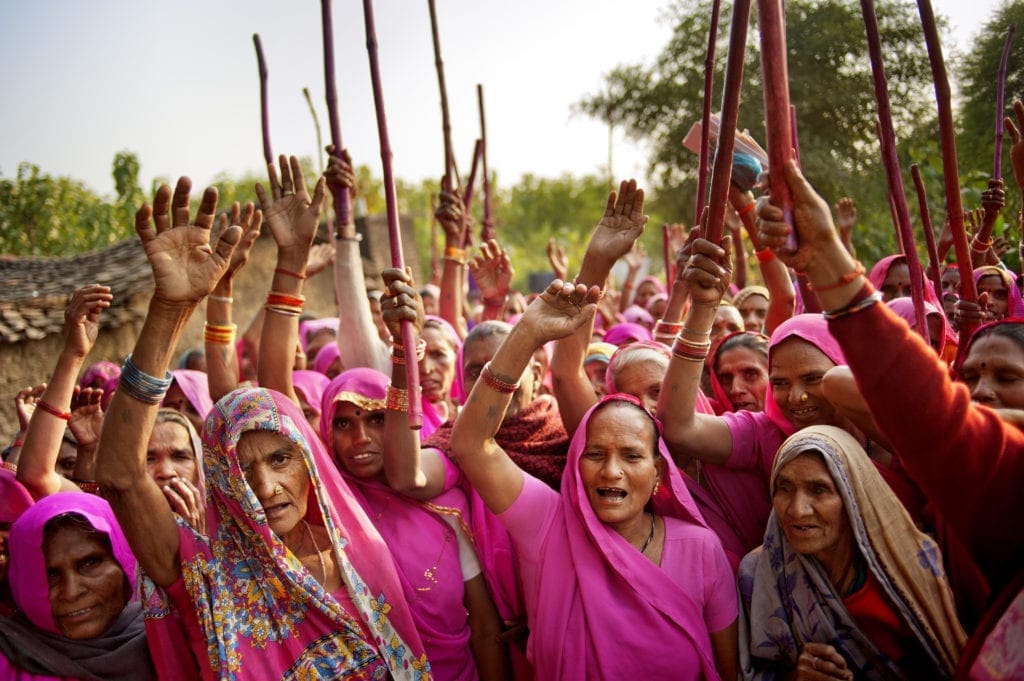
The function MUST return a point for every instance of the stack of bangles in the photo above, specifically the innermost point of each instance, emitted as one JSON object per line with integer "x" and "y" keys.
{"x": 398, "y": 352}
{"x": 456, "y": 255}
{"x": 220, "y": 334}
{"x": 691, "y": 350}
{"x": 397, "y": 399}
{"x": 138, "y": 384}
{"x": 854, "y": 306}
{"x": 285, "y": 303}
{"x": 765, "y": 255}
{"x": 665, "y": 332}
{"x": 496, "y": 382}
{"x": 979, "y": 246}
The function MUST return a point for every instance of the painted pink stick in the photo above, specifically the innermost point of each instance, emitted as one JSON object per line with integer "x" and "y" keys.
{"x": 342, "y": 199}
{"x": 667, "y": 255}
{"x": 268, "y": 155}
{"x": 721, "y": 172}
{"x": 950, "y": 170}
{"x": 412, "y": 369}
{"x": 997, "y": 161}
{"x": 705, "y": 117}
{"x": 487, "y": 231}
{"x": 887, "y": 140}
{"x": 778, "y": 133}
{"x": 929, "y": 233}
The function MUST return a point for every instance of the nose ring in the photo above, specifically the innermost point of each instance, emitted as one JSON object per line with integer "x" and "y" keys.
{"x": 278, "y": 489}
{"x": 803, "y": 397}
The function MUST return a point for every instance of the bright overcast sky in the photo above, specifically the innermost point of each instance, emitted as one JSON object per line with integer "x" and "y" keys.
{"x": 176, "y": 82}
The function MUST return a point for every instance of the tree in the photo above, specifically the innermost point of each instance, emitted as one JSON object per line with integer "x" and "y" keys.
{"x": 830, "y": 85}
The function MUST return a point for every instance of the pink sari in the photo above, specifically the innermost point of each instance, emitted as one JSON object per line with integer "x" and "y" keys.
{"x": 196, "y": 387}
{"x": 259, "y": 613}
{"x": 421, "y": 541}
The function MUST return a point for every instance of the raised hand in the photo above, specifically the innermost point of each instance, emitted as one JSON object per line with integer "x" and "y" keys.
{"x": 449, "y": 213}
{"x": 86, "y": 420}
{"x": 557, "y": 258}
{"x": 709, "y": 271}
{"x": 811, "y": 217}
{"x": 622, "y": 224}
{"x": 1016, "y": 142}
{"x": 320, "y": 256}
{"x": 25, "y": 403}
{"x": 185, "y": 266}
{"x": 339, "y": 174}
{"x": 82, "y": 318}
{"x": 561, "y": 309}
{"x": 678, "y": 236}
{"x": 846, "y": 217}
{"x": 250, "y": 220}
{"x": 493, "y": 272}
{"x": 401, "y": 302}
{"x": 289, "y": 212}
{"x": 993, "y": 200}
{"x": 185, "y": 500}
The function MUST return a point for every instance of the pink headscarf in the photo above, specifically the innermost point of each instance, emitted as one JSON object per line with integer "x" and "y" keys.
{"x": 1014, "y": 302}
{"x": 722, "y": 402}
{"x": 634, "y": 314}
{"x": 311, "y": 384}
{"x": 325, "y": 358}
{"x": 904, "y": 307}
{"x": 455, "y": 392}
{"x": 655, "y": 281}
{"x": 196, "y": 387}
{"x": 99, "y": 374}
{"x": 627, "y": 332}
{"x": 812, "y": 328}
{"x": 311, "y": 327}
{"x": 14, "y": 498}
{"x": 418, "y": 537}
{"x": 598, "y": 596}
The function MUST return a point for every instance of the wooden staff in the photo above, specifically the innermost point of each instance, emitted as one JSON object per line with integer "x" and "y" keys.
{"x": 929, "y": 234}
{"x": 887, "y": 140}
{"x": 467, "y": 194}
{"x": 950, "y": 171}
{"x": 487, "y": 231}
{"x": 721, "y": 172}
{"x": 316, "y": 126}
{"x": 705, "y": 121}
{"x": 997, "y": 161}
{"x": 268, "y": 155}
{"x": 446, "y": 123}
{"x": 779, "y": 135}
{"x": 412, "y": 369}
{"x": 667, "y": 256}
{"x": 342, "y": 199}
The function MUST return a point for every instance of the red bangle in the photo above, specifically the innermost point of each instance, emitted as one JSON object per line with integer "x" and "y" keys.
{"x": 749, "y": 208}
{"x": 289, "y": 273}
{"x": 17, "y": 443}
{"x": 285, "y": 299}
{"x": 765, "y": 255}
{"x": 53, "y": 411}
{"x": 843, "y": 280}
{"x": 496, "y": 383}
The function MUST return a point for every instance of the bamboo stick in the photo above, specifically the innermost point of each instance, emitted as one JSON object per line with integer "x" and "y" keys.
{"x": 467, "y": 194}
{"x": 316, "y": 127}
{"x": 412, "y": 369}
{"x": 667, "y": 256}
{"x": 997, "y": 161}
{"x": 446, "y": 124}
{"x": 705, "y": 117}
{"x": 342, "y": 199}
{"x": 268, "y": 154}
{"x": 487, "y": 231}
{"x": 929, "y": 234}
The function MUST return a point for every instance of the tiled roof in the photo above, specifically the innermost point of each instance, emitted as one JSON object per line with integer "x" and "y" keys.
{"x": 36, "y": 290}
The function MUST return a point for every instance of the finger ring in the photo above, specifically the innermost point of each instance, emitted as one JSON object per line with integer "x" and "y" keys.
{"x": 395, "y": 301}
{"x": 814, "y": 663}
{"x": 288, "y": 193}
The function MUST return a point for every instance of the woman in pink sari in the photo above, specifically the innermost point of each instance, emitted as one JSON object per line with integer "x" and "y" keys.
{"x": 190, "y": 394}
{"x": 621, "y": 576}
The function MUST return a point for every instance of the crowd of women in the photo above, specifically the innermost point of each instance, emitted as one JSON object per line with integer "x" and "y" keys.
{"x": 692, "y": 481}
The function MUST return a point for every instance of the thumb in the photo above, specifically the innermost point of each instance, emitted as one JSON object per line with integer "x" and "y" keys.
{"x": 798, "y": 184}
{"x": 727, "y": 257}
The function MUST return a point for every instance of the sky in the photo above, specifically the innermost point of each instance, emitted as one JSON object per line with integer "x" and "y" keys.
{"x": 176, "y": 82}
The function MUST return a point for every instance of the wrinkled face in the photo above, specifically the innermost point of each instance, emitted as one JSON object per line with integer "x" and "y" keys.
{"x": 66, "y": 459}
{"x": 177, "y": 400}
{"x": 810, "y": 509}
{"x": 618, "y": 469}
{"x": 998, "y": 295}
{"x": 642, "y": 379}
{"x": 994, "y": 372}
{"x": 797, "y": 368}
{"x": 727, "y": 320}
{"x": 754, "y": 310}
{"x": 437, "y": 370}
{"x": 358, "y": 440}
{"x": 897, "y": 282}
{"x": 87, "y": 587}
{"x": 743, "y": 373}
{"x": 644, "y": 293}
{"x": 275, "y": 469}
{"x": 950, "y": 281}
{"x": 169, "y": 454}
{"x": 595, "y": 374}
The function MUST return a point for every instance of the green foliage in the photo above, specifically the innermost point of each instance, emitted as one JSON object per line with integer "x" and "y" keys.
{"x": 43, "y": 215}
{"x": 830, "y": 86}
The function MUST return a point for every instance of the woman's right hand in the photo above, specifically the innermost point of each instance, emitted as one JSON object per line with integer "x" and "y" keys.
{"x": 82, "y": 318}
{"x": 820, "y": 661}
{"x": 559, "y": 311}
{"x": 186, "y": 500}
{"x": 709, "y": 271}
{"x": 401, "y": 302}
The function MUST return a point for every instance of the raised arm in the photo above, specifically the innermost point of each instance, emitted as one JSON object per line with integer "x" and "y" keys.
{"x": 690, "y": 435}
{"x": 186, "y": 267}
{"x": 221, "y": 332}
{"x": 37, "y": 464}
{"x": 493, "y": 273}
{"x": 450, "y": 213}
{"x": 781, "y": 294}
{"x": 557, "y": 312}
{"x": 359, "y": 345}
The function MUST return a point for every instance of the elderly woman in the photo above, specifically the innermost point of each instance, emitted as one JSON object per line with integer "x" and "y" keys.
{"x": 292, "y": 578}
{"x": 845, "y": 586}
{"x": 739, "y": 372}
{"x": 752, "y": 303}
{"x": 993, "y": 365}
{"x": 72, "y": 576}
{"x": 621, "y": 576}
{"x": 442, "y": 347}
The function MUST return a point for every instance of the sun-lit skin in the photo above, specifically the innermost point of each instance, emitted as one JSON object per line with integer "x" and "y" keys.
{"x": 276, "y": 471}
{"x": 644, "y": 292}
{"x": 595, "y": 374}
{"x": 357, "y": 441}
{"x": 812, "y": 514}
{"x": 437, "y": 369}
{"x": 727, "y": 320}
{"x": 743, "y": 373}
{"x": 998, "y": 295}
{"x": 797, "y": 368}
{"x": 312, "y": 417}
{"x": 897, "y": 282}
{"x": 754, "y": 310}
{"x": 618, "y": 468}
{"x": 642, "y": 378}
{"x": 87, "y": 587}
{"x": 477, "y": 352}
{"x": 657, "y": 308}
{"x": 994, "y": 372}
{"x": 177, "y": 400}
{"x": 169, "y": 454}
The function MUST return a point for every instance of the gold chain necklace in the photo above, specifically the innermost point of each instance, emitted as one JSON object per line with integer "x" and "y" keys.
{"x": 319, "y": 555}
{"x": 430, "y": 573}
